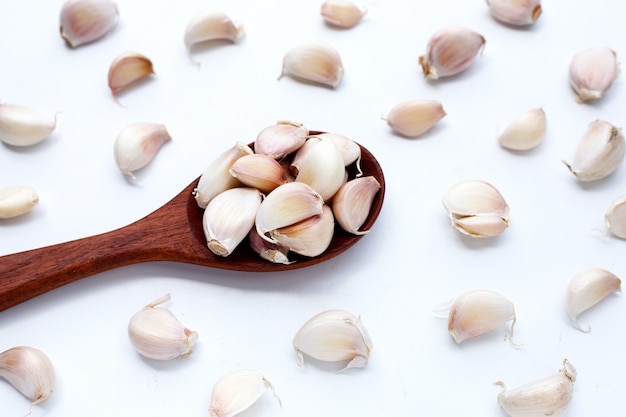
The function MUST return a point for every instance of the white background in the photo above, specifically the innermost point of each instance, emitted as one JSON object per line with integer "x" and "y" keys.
{"x": 412, "y": 260}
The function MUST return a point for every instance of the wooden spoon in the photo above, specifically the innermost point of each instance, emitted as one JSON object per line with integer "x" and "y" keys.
{"x": 171, "y": 233}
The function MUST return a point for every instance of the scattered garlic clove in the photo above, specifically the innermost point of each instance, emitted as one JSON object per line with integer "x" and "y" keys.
{"x": 157, "y": 334}
{"x": 84, "y": 21}
{"x": 259, "y": 171}
{"x": 353, "y": 202}
{"x": 318, "y": 63}
{"x": 229, "y": 217}
{"x": 30, "y": 371}
{"x": 332, "y": 336}
{"x": 615, "y": 217}
{"x": 342, "y": 13}
{"x": 23, "y": 126}
{"x": 128, "y": 68}
{"x": 281, "y": 139}
{"x": 450, "y": 51}
{"x": 476, "y": 208}
{"x": 587, "y": 289}
{"x": 600, "y": 152}
{"x": 269, "y": 251}
{"x": 323, "y": 168}
{"x": 592, "y": 71}
{"x": 211, "y": 26}
{"x": 413, "y": 118}
{"x": 137, "y": 144}
{"x": 237, "y": 391}
{"x": 515, "y": 12}
{"x": 17, "y": 200}
{"x": 526, "y": 132}
{"x": 309, "y": 237}
{"x": 350, "y": 150}
{"x": 477, "y": 312}
{"x": 549, "y": 396}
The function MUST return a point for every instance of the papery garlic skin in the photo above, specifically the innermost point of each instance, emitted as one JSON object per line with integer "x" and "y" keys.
{"x": 281, "y": 139}
{"x": 128, "y": 68}
{"x": 592, "y": 71}
{"x": 413, "y": 118}
{"x": 318, "y": 63}
{"x": 309, "y": 237}
{"x": 615, "y": 217}
{"x": 515, "y": 12}
{"x": 353, "y": 202}
{"x": 323, "y": 168}
{"x": 30, "y": 371}
{"x": 211, "y": 26}
{"x": 450, "y": 51}
{"x": 137, "y": 145}
{"x": 525, "y": 132}
{"x": 549, "y": 396}
{"x": 587, "y": 289}
{"x": 237, "y": 391}
{"x": 332, "y": 336}
{"x": 342, "y": 13}
{"x": 23, "y": 126}
{"x": 17, "y": 200}
{"x": 84, "y": 21}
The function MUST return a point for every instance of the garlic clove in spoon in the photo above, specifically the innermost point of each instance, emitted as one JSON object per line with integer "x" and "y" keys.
{"x": 85, "y": 21}
{"x": 137, "y": 145}
{"x": 309, "y": 237}
{"x": 592, "y": 71}
{"x": 587, "y": 289}
{"x": 526, "y": 132}
{"x": 30, "y": 371}
{"x": 449, "y": 51}
{"x": 23, "y": 126}
{"x": 413, "y": 118}
{"x": 281, "y": 139}
{"x": 323, "y": 168}
{"x": 353, "y": 201}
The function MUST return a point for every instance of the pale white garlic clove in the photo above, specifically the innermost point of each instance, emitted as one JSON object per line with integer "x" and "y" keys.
{"x": 587, "y": 289}
{"x": 599, "y": 153}
{"x": 17, "y": 200}
{"x": 309, "y": 237}
{"x": 84, "y": 21}
{"x": 269, "y": 251}
{"x": 342, "y": 13}
{"x": 237, "y": 391}
{"x": 515, "y": 12}
{"x": 333, "y": 336}
{"x": 300, "y": 155}
{"x": 137, "y": 145}
{"x": 128, "y": 68}
{"x": 23, "y": 126}
{"x": 525, "y": 132}
{"x": 211, "y": 26}
{"x": 318, "y": 63}
{"x": 30, "y": 371}
{"x": 548, "y": 396}
{"x": 353, "y": 202}
{"x": 350, "y": 150}
{"x": 615, "y": 217}
{"x": 476, "y": 208}
{"x": 259, "y": 171}
{"x": 281, "y": 139}
{"x": 592, "y": 71}
{"x": 323, "y": 168}
{"x": 229, "y": 217}
{"x": 157, "y": 334}
{"x": 450, "y": 51}
{"x": 413, "y": 118}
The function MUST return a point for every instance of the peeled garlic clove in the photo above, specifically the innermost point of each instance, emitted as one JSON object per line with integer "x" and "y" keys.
{"x": 526, "y": 132}
{"x": 309, "y": 237}
{"x": 137, "y": 144}
{"x": 269, "y": 251}
{"x": 237, "y": 391}
{"x": 23, "y": 126}
{"x": 342, "y": 13}
{"x": 29, "y": 371}
{"x": 478, "y": 312}
{"x": 229, "y": 217}
{"x": 281, "y": 139}
{"x": 592, "y": 71}
{"x": 216, "y": 177}
{"x": 549, "y": 396}
{"x": 450, "y": 51}
{"x": 259, "y": 171}
{"x": 413, "y": 118}
{"x": 316, "y": 62}
{"x": 350, "y": 150}
{"x": 128, "y": 68}
{"x": 515, "y": 12}
{"x": 600, "y": 152}
{"x": 476, "y": 208}
{"x": 353, "y": 202}
{"x": 211, "y": 26}
{"x": 323, "y": 169}
{"x": 157, "y": 334}
{"x": 587, "y": 289}
{"x": 84, "y": 21}
{"x": 17, "y": 200}
{"x": 332, "y": 336}
{"x": 615, "y": 217}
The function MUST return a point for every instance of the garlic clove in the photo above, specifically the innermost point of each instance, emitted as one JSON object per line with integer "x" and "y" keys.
{"x": 350, "y": 150}
{"x": 592, "y": 71}
{"x": 229, "y": 217}
{"x": 211, "y": 26}
{"x": 84, "y": 21}
{"x": 157, "y": 334}
{"x": 323, "y": 168}
{"x": 137, "y": 144}
{"x": 476, "y": 208}
{"x": 450, "y": 51}
{"x": 413, "y": 118}
{"x": 128, "y": 68}
{"x": 281, "y": 139}
{"x": 269, "y": 251}
{"x": 548, "y": 396}
{"x": 300, "y": 155}
{"x": 237, "y": 391}
{"x": 28, "y": 370}
{"x": 353, "y": 202}
{"x": 525, "y": 132}
{"x": 342, "y": 13}
{"x": 309, "y": 237}
{"x": 599, "y": 153}
{"x": 259, "y": 171}
{"x": 615, "y": 217}
{"x": 318, "y": 63}
{"x": 515, "y": 12}
{"x": 23, "y": 126}
{"x": 17, "y": 200}
{"x": 587, "y": 289}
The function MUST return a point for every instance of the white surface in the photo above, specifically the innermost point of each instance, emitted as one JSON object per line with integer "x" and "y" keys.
{"x": 410, "y": 262}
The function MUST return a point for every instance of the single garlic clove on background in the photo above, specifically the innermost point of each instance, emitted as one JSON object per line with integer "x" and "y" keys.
{"x": 318, "y": 63}
{"x": 137, "y": 145}
{"x": 323, "y": 168}
{"x": 599, "y": 153}
{"x": 587, "y": 289}
{"x": 549, "y": 396}
{"x": 450, "y": 51}
{"x": 592, "y": 71}
{"x": 84, "y": 21}
{"x": 525, "y": 132}
{"x": 342, "y": 13}
{"x": 280, "y": 139}
{"x": 126, "y": 69}
{"x": 615, "y": 217}
{"x": 476, "y": 208}
{"x": 413, "y": 118}
{"x": 237, "y": 391}
{"x": 309, "y": 237}
{"x": 259, "y": 171}
{"x": 353, "y": 202}
{"x": 332, "y": 336}
{"x": 30, "y": 371}
{"x": 269, "y": 251}
{"x": 157, "y": 334}
{"x": 211, "y": 26}
{"x": 515, "y": 12}
{"x": 17, "y": 200}
{"x": 23, "y": 126}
